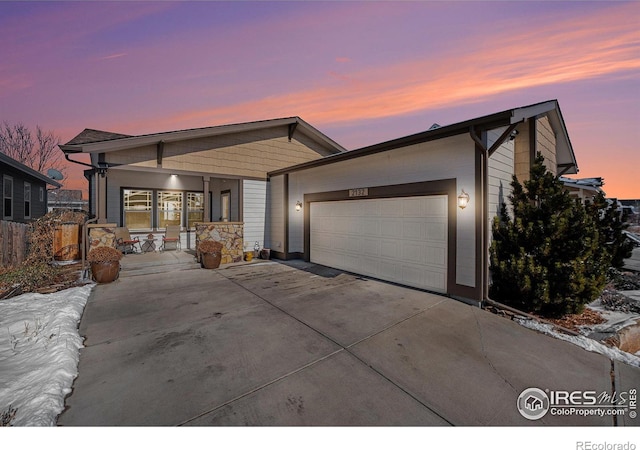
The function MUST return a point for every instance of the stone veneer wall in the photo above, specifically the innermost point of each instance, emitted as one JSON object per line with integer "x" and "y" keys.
{"x": 230, "y": 234}
{"x": 103, "y": 235}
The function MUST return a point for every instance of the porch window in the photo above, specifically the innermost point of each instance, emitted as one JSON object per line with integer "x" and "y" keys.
{"x": 169, "y": 208}
{"x": 7, "y": 195}
{"x": 137, "y": 209}
{"x": 225, "y": 206}
{"x": 27, "y": 200}
{"x": 195, "y": 208}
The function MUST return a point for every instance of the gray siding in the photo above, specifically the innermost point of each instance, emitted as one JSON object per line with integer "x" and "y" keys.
{"x": 275, "y": 217}
{"x": 38, "y": 208}
{"x": 501, "y": 170}
{"x": 254, "y": 209}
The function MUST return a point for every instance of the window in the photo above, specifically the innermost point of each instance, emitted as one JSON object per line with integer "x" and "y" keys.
{"x": 41, "y": 194}
{"x": 7, "y": 195}
{"x": 137, "y": 209}
{"x": 169, "y": 208}
{"x": 195, "y": 208}
{"x": 27, "y": 200}
{"x": 225, "y": 204}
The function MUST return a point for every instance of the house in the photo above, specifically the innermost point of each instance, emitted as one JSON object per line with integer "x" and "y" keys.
{"x": 415, "y": 210}
{"x": 390, "y": 210}
{"x": 583, "y": 188}
{"x": 213, "y": 174}
{"x": 533, "y": 403}
{"x": 24, "y": 191}
{"x": 68, "y": 199}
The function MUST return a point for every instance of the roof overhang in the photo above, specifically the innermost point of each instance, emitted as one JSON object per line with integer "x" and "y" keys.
{"x": 126, "y": 143}
{"x": 565, "y": 157}
{"x": 28, "y": 170}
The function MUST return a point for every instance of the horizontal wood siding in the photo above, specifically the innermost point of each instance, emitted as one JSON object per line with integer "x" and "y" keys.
{"x": 501, "y": 170}
{"x": 275, "y": 216}
{"x": 546, "y": 143}
{"x": 254, "y": 206}
{"x": 249, "y": 154}
{"x": 38, "y": 208}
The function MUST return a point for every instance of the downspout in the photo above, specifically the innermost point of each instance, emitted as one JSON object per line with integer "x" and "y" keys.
{"x": 99, "y": 171}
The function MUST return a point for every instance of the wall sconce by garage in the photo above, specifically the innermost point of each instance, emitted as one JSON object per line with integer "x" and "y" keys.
{"x": 298, "y": 205}
{"x": 463, "y": 199}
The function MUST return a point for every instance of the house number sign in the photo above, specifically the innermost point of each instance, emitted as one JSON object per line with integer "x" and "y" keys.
{"x": 360, "y": 192}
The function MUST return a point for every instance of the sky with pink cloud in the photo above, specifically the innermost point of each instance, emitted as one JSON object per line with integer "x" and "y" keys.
{"x": 361, "y": 72}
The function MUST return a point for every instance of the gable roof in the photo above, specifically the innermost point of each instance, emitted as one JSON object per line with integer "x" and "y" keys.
{"x": 565, "y": 156}
{"x": 109, "y": 142}
{"x": 27, "y": 170}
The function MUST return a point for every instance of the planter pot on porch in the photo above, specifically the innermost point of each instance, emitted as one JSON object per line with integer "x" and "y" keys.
{"x": 211, "y": 260}
{"x": 106, "y": 271}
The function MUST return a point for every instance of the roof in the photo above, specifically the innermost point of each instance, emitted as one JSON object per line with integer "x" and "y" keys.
{"x": 588, "y": 184}
{"x": 27, "y": 170}
{"x": 109, "y": 142}
{"x": 565, "y": 156}
{"x": 89, "y": 135}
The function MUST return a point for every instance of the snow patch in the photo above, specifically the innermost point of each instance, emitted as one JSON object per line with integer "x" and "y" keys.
{"x": 39, "y": 353}
{"x": 582, "y": 341}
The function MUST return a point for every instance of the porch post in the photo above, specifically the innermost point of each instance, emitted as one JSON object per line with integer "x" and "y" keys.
{"x": 207, "y": 199}
{"x": 101, "y": 197}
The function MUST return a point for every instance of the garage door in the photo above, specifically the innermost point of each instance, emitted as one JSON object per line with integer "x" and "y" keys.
{"x": 403, "y": 240}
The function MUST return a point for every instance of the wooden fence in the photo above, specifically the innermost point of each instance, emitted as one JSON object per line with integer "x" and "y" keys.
{"x": 13, "y": 243}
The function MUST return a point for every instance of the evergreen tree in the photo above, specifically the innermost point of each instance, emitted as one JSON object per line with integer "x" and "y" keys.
{"x": 546, "y": 259}
{"x": 611, "y": 223}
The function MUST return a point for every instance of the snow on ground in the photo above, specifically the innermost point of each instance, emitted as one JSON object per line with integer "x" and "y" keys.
{"x": 39, "y": 353}
{"x": 582, "y": 341}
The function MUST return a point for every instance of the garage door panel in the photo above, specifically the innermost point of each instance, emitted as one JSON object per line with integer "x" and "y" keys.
{"x": 403, "y": 240}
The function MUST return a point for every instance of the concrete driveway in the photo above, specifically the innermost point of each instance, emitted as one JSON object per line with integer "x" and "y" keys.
{"x": 298, "y": 344}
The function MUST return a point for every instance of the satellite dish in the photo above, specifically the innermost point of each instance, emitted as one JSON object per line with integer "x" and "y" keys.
{"x": 54, "y": 174}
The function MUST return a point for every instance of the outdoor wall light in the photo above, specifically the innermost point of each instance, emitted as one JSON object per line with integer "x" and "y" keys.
{"x": 463, "y": 199}
{"x": 298, "y": 205}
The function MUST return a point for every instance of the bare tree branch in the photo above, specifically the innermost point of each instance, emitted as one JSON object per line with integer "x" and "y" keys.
{"x": 16, "y": 141}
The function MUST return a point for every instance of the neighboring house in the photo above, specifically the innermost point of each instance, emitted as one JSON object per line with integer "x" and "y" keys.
{"x": 67, "y": 199}
{"x": 583, "y": 188}
{"x": 24, "y": 191}
{"x": 390, "y": 210}
{"x": 207, "y": 174}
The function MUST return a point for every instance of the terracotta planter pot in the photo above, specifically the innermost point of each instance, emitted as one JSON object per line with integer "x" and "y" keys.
{"x": 105, "y": 272}
{"x": 211, "y": 260}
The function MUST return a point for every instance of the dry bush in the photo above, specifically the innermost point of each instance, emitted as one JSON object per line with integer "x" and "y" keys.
{"x": 35, "y": 272}
{"x": 209, "y": 246}
{"x": 104, "y": 254}
{"x": 42, "y": 231}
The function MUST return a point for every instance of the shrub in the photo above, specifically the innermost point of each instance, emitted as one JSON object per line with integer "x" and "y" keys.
{"x": 611, "y": 223}
{"x": 209, "y": 246}
{"x": 547, "y": 258}
{"x": 104, "y": 254}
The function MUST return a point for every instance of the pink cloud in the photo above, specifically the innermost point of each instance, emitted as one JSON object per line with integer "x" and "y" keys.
{"x": 581, "y": 48}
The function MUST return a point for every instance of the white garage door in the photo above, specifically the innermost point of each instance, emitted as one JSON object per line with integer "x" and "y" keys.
{"x": 403, "y": 240}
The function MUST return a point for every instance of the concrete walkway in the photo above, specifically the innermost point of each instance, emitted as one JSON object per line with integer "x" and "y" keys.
{"x": 299, "y": 344}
